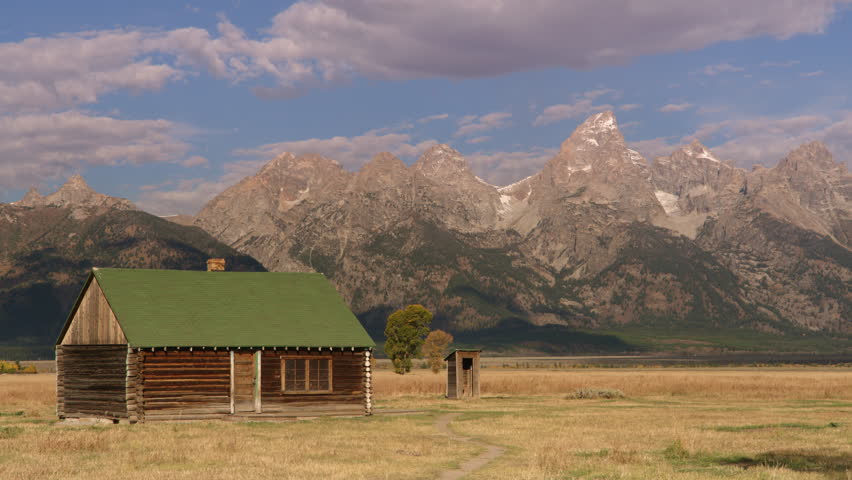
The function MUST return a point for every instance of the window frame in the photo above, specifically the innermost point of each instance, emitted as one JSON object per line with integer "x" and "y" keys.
{"x": 307, "y": 359}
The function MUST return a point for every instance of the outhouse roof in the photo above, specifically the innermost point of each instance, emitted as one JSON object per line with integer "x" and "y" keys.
{"x": 462, "y": 350}
{"x": 180, "y": 308}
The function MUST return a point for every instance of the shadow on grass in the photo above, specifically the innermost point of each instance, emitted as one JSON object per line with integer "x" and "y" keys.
{"x": 745, "y": 428}
{"x": 812, "y": 461}
{"x": 800, "y": 461}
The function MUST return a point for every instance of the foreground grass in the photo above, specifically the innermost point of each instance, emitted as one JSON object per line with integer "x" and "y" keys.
{"x": 691, "y": 424}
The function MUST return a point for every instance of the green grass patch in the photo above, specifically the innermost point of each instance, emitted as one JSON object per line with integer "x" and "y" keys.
{"x": 10, "y": 432}
{"x": 745, "y": 428}
{"x": 800, "y": 461}
{"x": 12, "y": 414}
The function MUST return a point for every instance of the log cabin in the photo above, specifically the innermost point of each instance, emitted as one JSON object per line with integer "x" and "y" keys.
{"x": 147, "y": 345}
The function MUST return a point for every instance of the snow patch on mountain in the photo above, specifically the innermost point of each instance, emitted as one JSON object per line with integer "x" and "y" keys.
{"x": 668, "y": 201}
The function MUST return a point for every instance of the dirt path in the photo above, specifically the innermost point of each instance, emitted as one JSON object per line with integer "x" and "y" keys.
{"x": 491, "y": 451}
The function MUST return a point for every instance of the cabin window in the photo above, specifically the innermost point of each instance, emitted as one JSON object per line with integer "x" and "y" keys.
{"x": 306, "y": 375}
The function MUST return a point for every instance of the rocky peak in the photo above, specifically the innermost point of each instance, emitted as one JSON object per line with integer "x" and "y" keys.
{"x": 382, "y": 171}
{"x": 598, "y": 130}
{"x": 695, "y": 150}
{"x": 384, "y": 163}
{"x": 73, "y": 194}
{"x": 810, "y": 156}
{"x": 32, "y": 198}
{"x": 440, "y": 162}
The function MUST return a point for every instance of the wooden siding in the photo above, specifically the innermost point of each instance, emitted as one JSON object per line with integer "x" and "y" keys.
{"x": 451, "y": 378}
{"x": 93, "y": 322}
{"x": 349, "y": 382}
{"x": 244, "y": 377}
{"x": 91, "y": 381}
{"x": 184, "y": 384}
{"x": 461, "y": 382}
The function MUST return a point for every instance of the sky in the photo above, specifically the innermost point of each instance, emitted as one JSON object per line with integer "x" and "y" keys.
{"x": 168, "y": 103}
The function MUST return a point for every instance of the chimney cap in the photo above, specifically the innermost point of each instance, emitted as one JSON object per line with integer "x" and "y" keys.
{"x": 216, "y": 265}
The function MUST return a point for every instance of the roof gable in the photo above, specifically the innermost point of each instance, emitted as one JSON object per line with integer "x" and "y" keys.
{"x": 179, "y": 308}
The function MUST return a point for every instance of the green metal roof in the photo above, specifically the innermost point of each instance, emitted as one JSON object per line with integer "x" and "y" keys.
{"x": 179, "y": 308}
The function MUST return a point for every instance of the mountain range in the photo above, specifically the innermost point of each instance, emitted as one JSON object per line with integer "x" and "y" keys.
{"x": 49, "y": 243}
{"x": 599, "y": 241}
{"x": 599, "y": 238}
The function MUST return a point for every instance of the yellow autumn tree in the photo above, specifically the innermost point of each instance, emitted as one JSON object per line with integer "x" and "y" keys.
{"x": 435, "y": 348}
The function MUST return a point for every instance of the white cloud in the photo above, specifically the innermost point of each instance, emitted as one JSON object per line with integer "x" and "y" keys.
{"x": 675, "y": 107}
{"x": 476, "y": 140}
{"x": 195, "y": 161}
{"x": 720, "y": 68}
{"x": 763, "y": 139}
{"x": 351, "y": 152}
{"x": 327, "y": 42}
{"x": 629, "y": 107}
{"x": 432, "y": 118}
{"x": 583, "y": 104}
{"x": 784, "y": 64}
{"x": 73, "y": 69}
{"x": 38, "y": 146}
{"x": 505, "y": 168}
{"x": 471, "y": 124}
{"x": 812, "y": 74}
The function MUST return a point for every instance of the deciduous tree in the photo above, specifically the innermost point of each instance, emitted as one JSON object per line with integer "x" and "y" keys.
{"x": 435, "y": 348}
{"x": 404, "y": 335}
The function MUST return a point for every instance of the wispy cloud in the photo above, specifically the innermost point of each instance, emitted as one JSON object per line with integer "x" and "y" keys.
{"x": 784, "y": 64}
{"x": 476, "y": 124}
{"x": 720, "y": 68}
{"x": 812, "y": 74}
{"x": 432, "y": 118}
{"x": 676, "y": 107}
{"x": 351, "y": 152}
{"x": 506, "y": 167}
{"x": 763, "y": 139}
{"x": 583, "y": 104}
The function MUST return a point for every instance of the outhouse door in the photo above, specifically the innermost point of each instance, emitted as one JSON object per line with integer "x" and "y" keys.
{"x": 467, "y": 377}
{"x": 244, "y": 381}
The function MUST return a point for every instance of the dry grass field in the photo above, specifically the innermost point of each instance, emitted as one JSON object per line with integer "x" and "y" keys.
{"x": 747, "y": 423}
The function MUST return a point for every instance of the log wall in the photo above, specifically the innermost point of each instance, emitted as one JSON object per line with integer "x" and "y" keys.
{"x": 350, "y": 386}
{"x": 182, "y": 384}
{"x": 91, "y": 381}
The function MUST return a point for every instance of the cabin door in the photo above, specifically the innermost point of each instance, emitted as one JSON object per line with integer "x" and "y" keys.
{"x": 244, "y": 381}
{"x": 467, "y": 377}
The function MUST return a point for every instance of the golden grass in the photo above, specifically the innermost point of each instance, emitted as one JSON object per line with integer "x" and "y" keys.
{"x": 674, "y": 423}
{"x": 805, "y": 383}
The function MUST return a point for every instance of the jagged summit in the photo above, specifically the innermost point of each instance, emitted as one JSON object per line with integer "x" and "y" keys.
{"x": 813, "y": 154}
{"x": 596, "y": 131}
{"x": 75, "y": 192}
{"x": 384, "y": 162}
{"x": 697, "y": 150}
{"x": 441, "y": 161}
{"x": 31, "y": 198}
{"x": 276, "y": 163}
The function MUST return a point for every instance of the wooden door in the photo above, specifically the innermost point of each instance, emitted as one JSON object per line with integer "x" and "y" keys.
{"x": 244, "y": 378}
{"x": 467, "y": 377}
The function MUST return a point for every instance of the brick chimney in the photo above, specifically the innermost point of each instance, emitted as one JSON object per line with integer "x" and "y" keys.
{"x": 216, "y": 265}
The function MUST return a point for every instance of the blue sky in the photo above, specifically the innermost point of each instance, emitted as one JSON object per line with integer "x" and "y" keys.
{"x": 167, "y": 104}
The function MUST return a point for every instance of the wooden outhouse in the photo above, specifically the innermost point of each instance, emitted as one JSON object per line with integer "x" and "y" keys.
{"x": 463, "y": 374}
{"x": 143, "y": 345}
